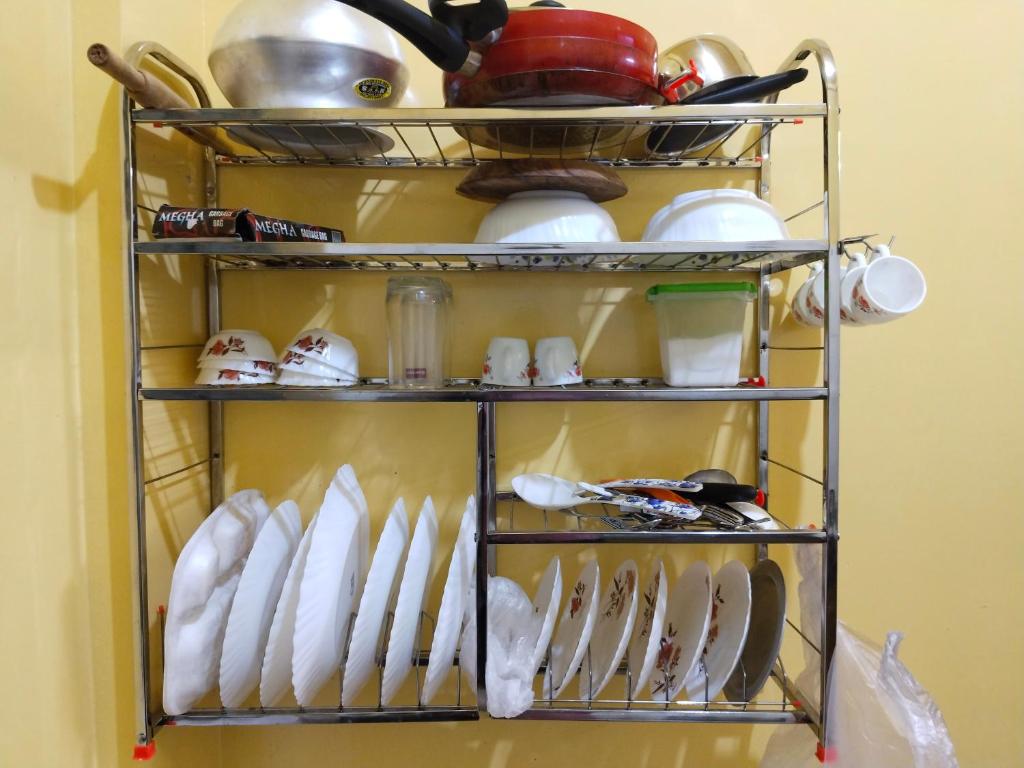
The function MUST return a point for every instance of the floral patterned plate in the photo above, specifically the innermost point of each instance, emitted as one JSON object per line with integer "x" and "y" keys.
{"x": 643, "y": 648}
{"x": 639, "y": 484}
{"x": 767, "y": 621}
{"x": 615, "y": 618}
{"x": 574, "y": 630}
{"x": 730, "y": 619}
{"x": 685, "y": 632}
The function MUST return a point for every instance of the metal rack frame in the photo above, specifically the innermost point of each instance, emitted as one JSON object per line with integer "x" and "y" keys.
{"x": 764, "y": 259}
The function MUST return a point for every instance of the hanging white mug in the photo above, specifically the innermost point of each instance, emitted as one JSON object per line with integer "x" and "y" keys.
{"x": 799, "y": 305}
{"x": 888, "y": 288}
{"x": 856, "y": 266}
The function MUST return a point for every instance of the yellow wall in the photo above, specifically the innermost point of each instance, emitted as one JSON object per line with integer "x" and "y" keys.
{"x": 921, "y": 418}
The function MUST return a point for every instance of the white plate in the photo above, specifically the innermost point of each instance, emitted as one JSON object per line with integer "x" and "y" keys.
{"x": 202, "y": 587}
{"x": 686, "y": 630}
{"x": 574, "y": 630}
{"x": 381, "y": 588}
{"x": 276, "y": 675}
{"x": 730, "y": 618}
{"x": 327, "y": 595}
{"x": 764, "y": 637}
{"x": 643, "y": 648}
{"x": 411, "y": 594}
{"x": 451, "y": 612}
{"x": 615, "y": 616}
{"x": 259, "y": 588}
{"x": 545, "y": 610}
{"x": 346, "y": 481}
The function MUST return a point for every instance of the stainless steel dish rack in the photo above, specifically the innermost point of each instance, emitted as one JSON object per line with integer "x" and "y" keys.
{"x": 429, "y": 138}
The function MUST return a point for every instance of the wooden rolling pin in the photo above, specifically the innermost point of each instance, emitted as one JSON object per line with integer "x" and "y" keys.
{"x": 150, "y": 91}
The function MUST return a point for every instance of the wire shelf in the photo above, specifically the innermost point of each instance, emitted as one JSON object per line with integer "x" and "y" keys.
{"x": 471, "y": 391}
{"x": 460, "y": 138}
{"x": 697, "y": 256}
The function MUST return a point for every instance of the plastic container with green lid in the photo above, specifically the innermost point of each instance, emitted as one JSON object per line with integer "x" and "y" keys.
{"x": 700, "y": 326}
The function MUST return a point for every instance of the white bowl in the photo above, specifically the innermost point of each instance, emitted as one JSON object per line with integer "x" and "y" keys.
{"x": 226, "y": 377}
{"x": 310, "y": 366}
{"x": 547, "y": 216}
{"x": 327, "y": 348}
{"x": 237, "y": 345}
{"x": 716, "y": 214}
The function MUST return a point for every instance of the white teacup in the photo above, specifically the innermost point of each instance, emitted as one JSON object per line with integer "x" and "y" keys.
{"x": 858, "y": 263}
{"x": 507, "y": 363}
{"x": 888, "y": 288}
{"x": 556, "y": 363}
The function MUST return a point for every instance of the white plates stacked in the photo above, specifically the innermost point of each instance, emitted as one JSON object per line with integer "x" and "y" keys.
{"x": 203, "y": 586}
{"x": 319, "y": 358}
{"x": 234, "y": 358}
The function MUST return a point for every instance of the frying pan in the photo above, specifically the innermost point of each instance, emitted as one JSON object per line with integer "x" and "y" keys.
{"x": 541, "y": 55}
{"x": 684, "y": 139}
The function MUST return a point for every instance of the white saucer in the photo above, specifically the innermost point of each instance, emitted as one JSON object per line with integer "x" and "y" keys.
{"x": 276, "y": 675}
{"x": 346, "y": 480}
{"x": 327, "y": 595}
{"x": 615, "y": 616}
{"x": 687, "y": 619}
{"x": 411, "y": 594}
{"x": 203, "y": 585}
{"x": 643, "y": 648}
{"x": 574, "y": 630}
{"x": 252, "y": 611}
{"x": 381, "y": 588}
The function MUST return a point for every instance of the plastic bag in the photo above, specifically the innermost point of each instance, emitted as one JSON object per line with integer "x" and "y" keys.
{"x": 879, "y": 715}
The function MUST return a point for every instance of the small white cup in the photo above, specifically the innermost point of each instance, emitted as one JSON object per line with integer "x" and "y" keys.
{"x": 556, "y": 363}
{"x": 507, "y": 363}
{"x": 888, "y": 288}
{"x": 858, "y": 263}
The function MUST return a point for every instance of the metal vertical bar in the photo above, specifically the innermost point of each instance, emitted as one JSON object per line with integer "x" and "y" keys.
{"x": 213, "y": 325}
{"x": 485, "y": 506}
{"x": 831, "y": 373}
{"x": 144, "y": 728}
{"x": 764, "y": 297}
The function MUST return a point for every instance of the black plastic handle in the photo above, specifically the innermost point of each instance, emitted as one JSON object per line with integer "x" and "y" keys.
{"x": 745, "y": 88}
{"x": 438, "y": 42}
{"x": 722, "y": 493}
{"x": 473, "y": 22}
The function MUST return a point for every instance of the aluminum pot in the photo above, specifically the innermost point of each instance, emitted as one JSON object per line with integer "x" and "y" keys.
{"x": 306, "y": 53}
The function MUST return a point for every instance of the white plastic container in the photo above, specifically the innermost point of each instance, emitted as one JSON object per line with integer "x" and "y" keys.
{"x": 700, "y": 326}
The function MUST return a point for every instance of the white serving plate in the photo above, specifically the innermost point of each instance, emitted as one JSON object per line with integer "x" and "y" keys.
{"x": 687, "y": 620}
{"x": 574, "y": 631}
{"x": 615, "y": 616}
{"x": 545, "y": 610}
{"x": 646, "y": 641}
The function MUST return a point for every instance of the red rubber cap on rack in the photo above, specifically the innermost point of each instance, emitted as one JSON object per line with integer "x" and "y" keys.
{"x": 760, "y": 498}
{"x": 161, "y": 610}
{"x": 144, "y": 751}
{"x": 826, "y": 755}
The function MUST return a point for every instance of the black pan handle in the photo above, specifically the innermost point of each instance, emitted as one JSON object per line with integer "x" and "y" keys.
{"x": 474, "y": 22}
{"x": 752, "y": 90}
{"x": 722, "y": 493}
{"x": 438, "y": 42}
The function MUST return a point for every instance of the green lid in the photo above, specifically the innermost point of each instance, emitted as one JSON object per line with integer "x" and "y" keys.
{"x": 736, "y": 287}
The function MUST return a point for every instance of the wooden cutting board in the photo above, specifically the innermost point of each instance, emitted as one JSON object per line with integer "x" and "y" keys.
{"x": 497, "y": 179}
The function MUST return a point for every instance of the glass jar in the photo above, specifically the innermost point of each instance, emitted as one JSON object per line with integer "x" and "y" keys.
{"x": 419, "y": 323}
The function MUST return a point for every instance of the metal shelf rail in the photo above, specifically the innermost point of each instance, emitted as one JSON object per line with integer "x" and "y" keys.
{"x": 406, "y": 132}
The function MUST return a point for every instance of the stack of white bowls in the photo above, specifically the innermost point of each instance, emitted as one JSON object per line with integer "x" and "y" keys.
{"x": 235, "y": 357}
{"x": 319, "y": 358}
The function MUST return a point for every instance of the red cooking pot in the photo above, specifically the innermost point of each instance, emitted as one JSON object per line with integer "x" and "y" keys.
{"x": 541, "y": 55}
